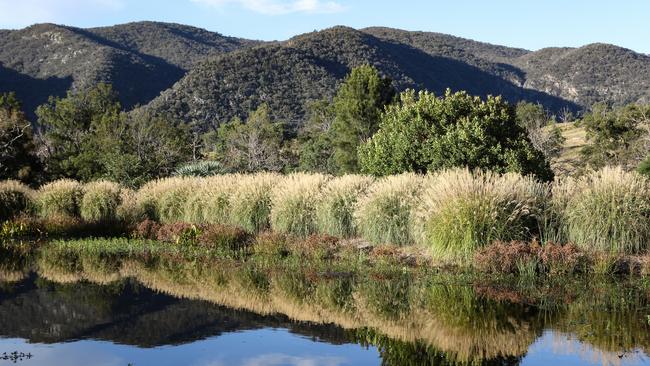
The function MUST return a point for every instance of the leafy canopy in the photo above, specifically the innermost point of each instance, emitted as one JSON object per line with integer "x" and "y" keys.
{"x": 423, "y": 133}
{"x": 357, "y": 106}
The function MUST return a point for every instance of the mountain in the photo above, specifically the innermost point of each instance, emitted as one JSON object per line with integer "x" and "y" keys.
{"x": 139, "y": 59}
{"x": 200, "y": 76}
{"x": 287, "y": 75}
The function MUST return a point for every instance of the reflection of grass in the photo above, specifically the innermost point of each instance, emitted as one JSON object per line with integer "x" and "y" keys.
{"x": 430, "y": 311}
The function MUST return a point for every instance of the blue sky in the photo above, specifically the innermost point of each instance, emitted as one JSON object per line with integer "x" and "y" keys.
{"x": 518, "y": 23}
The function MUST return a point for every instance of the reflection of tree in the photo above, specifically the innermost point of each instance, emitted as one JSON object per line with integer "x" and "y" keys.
{"x": 125, "y": 312}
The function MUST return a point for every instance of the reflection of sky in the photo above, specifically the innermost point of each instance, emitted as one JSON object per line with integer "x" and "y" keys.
{"x": 559, "y": 349}
{"x": 266, "y": 347}
{"x": 274, "y": 347}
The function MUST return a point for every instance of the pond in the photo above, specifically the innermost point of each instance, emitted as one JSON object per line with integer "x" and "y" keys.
{"x": 124, "y": 303}
{"x": 43, "y": 322}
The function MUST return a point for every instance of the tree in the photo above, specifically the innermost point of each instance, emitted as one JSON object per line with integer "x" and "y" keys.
{"x": 18, "y": 158}
{"x": 316, "y": 150}
{"x": 251, "y": 146}
{"x": 615, "y": 135}
{"x": 542, "y": 130}
{"x": 70, "y": 125}
{"x": 88, "y": 137}
{"x": 357, "y": 106}
{"x": 423, "y": 133}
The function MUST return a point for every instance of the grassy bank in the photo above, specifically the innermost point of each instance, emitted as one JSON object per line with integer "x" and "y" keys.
{"x": 454, "y": 214}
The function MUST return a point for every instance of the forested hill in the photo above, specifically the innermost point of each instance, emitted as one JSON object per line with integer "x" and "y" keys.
{"x": 200, "y": 76}
{"x": 139, "y": 59}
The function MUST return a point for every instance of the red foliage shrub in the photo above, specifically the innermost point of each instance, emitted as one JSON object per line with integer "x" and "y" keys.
{"x": 505, "y": 257}
{"x": 563, "y": 259}
{"x": 147, "y": 229}
{"x": 271, "y": 244}
{"x": 316, "y": 246}
{"x": 223, "y": 236}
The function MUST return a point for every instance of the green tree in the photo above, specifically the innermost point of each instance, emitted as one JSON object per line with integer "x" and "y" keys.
{"x": 358, "y": 105}
{"x": 316, "y": 150}
{"x": 71, "y": 124}
{"x": 88, "y": 137}
{"x": 18, "y": 158}
{"x": 423, "y": 133}
{"x": 251, "y": 146}
{"x": 615, "y": 135}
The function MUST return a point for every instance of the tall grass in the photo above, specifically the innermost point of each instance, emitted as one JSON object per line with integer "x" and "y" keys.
{"x": 60, "y": 198}
{"x": 15, "y": 199}
{"x": 100, "y": 201}
{"x": 383, "y": 214}
{"x": 209, "y": 202}
{"x": 606, "y": 210}
{"x": 338, "y": 199}
{"x": 164, "y": 199}
{"x": 461, "y": 211}
{"x": 293, "y": 204}
{"x": 250, "y": 205}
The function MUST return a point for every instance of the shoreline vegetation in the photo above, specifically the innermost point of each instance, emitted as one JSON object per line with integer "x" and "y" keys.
{"x": 493, "y": 223}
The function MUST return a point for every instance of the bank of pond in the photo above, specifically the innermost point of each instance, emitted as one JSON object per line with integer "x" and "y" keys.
{"x": 150, "y": 293}
{"x": 451, "y": 214}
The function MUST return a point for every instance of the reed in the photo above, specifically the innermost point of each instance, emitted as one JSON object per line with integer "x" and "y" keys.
{"x": 60, "y": 198}
{"x": 100, "y": 201}
{"x": 250, "y": 205}
{"x": 15, "y": 199}
{"x": 338, "y": 199}
{"x": 294, "y": 202}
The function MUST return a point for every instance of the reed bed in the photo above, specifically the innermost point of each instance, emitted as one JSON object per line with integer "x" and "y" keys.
{"x": 460, "y": 211}
{"x": 60, "y": 198}
{"x": 294, "y": 202}
{"x": 15, "y": 199}
{"x": 383, "y": 215}
{"x": 606, "y": 210}
{"x": 452, "y": 212}
{"x": 100, "y": 201}
{"x": 337, "y": 202}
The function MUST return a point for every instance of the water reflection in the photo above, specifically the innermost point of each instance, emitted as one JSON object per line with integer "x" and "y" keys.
{"x": 221, "y": 312}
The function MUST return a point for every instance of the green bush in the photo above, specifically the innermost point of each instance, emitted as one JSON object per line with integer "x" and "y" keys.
{"x": 461, "y": 211}
{"x": 15, "y": 199}
{"x": 424, "y": 133}
{"x": 293, "y": 204}
{"x": 335, "y": 211}
{"x": 251, "y": 201}
{"x": 200, "y": 169}
{"x": 100, "y": 201}
{"x": 644, "y": 167}
{"x": 383, "y": 214}
{"x": 60, "y": 198}
{"x": 606, "y": 210}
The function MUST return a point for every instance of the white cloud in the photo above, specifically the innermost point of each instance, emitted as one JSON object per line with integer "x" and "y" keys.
{"x": 277, "y": 7}
{"x": 275, "y": 359}
{"x": 21, "y": 13}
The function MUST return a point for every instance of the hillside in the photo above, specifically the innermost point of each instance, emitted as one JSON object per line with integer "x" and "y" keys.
{"x": 287, "y": 75}
{"x": 196, "y": 75}
{"x": 139, "y": 59}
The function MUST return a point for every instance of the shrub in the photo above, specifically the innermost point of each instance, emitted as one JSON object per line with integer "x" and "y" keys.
{"x": 271, "y": 244}
{"x": 644, "y": 167}
{"x": 506, "y": 257}
{"x": 147, "y": 229}
{"x": 251, "y": 201}
{"x": 223, "y": 237}
{"x": 606, "y": 210}
{"x": 60, "y": 198}
{"x": 100, "y": 201}
{"x": 200, "y": 169}
{"x": 315, "y": 246}
{"x": 15, "y": 199}
{"x": 563, "y": 259}
{"x": 293, "y": 204}
{"x": 383, "y": 214}
{"x": 461, "y": 211}
{"x": 335, "y": 210}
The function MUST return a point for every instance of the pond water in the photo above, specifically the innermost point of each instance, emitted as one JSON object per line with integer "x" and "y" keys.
{"x": 124, "y": 322}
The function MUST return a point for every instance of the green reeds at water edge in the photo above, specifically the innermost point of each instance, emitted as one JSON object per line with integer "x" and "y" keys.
{"x": 454, "y": 213}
